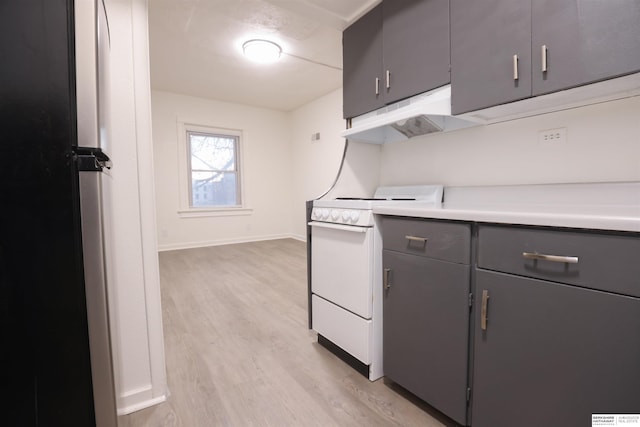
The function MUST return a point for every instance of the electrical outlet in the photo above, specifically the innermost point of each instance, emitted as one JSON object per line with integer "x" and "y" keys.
{"x": 553, "y": 136}
{"x": 315, "y": 137}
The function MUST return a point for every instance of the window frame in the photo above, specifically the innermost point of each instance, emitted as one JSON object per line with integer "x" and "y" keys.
{"x": 186, "y": 208}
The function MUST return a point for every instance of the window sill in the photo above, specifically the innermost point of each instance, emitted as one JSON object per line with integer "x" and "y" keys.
{"x": 213, "y": 212}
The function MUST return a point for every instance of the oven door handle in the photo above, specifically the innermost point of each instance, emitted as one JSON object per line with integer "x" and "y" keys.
{"x": 352, "y": 228}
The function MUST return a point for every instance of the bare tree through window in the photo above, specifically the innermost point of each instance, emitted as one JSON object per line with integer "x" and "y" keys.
{"x": 214, "y": 171}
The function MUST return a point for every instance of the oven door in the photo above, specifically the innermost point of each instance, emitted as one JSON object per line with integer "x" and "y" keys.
{"x": 342, "y": 266}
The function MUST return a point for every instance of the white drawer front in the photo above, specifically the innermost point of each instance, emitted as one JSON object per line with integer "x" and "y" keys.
{"x": 348, "y": 331}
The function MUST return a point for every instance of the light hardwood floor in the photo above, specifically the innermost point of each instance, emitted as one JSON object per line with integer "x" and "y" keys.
{"x": 239, "y": 353}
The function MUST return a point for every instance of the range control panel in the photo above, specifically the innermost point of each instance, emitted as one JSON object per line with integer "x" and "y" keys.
{"x": 359, "y": 217}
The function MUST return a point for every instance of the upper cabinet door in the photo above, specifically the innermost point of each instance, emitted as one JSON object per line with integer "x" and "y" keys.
{"x": 362, "y": 64}
{"x": 415, "y": 47}
{"x": 584, "y": 41}
{"x": 490, "y": 53}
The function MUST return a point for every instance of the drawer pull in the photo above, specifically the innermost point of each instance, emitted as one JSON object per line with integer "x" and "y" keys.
{"x": 483, "y": 309}
{"x": 515, "y": 67}
{"x": 416, "y": 239}
{"x": 385, "y": 280}
{"x": 552, "y": 258}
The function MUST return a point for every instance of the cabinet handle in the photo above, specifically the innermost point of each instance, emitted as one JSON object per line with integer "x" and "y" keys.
{"x": 552, "y": 258}
{"x": 483, "y": 309}
{"x": 416, "y": 239}
{"x": 385, "y": 280}
{"x": 515, "y": 67}
{"x": 388, "y": 77}
{"x": 377, "y": 86}
{"x": 544, "y": 58}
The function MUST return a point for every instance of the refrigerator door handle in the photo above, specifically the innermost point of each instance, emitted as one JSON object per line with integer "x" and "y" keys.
{"x": 91, "y": 159}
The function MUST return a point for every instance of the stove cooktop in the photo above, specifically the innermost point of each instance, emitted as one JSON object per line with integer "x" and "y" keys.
{"x": 386, "y": 194}
{"x": 375, "y": 198}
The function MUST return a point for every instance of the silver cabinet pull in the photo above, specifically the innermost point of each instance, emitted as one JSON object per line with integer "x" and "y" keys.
{"x": 515, "y": 67}
{"x": 483, "y": 310}
{"x": 416, "y": 239}
{"x": 385, "y": 280}
{"x": 388, "y": 77}
{"x": 544, "y": 58}
{"x": 552, "y": 258}
{"x": 377, "y": 86}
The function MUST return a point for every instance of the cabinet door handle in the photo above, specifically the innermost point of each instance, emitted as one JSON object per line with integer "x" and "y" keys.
{"x": 515, "y": 67}
{"x": 544, "y": 58}
{"x": 385, "y": 278}
{"x": 552, "y": 258}
{"x": 388, "y": 77}
{"x": 416, "y": 239}
{"x": 483, "y": 309}
{"x": 377, "y": 86}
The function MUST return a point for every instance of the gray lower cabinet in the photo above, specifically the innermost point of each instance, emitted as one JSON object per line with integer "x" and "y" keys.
{"x": 556, "y": 321}
{"x": 507, "y": 50}
{"x": 552, "y": 354}
{"x": 426, "y": 311}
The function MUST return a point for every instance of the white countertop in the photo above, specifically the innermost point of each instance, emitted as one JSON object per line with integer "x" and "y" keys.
{"x": 613, "y": 206}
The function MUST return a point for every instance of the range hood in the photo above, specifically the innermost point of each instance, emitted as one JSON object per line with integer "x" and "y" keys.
{"x": 422, "y": 114}
{"x": 431, "y": 111}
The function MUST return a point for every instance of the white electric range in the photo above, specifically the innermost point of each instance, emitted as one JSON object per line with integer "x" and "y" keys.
{"x": 346, "y": 272}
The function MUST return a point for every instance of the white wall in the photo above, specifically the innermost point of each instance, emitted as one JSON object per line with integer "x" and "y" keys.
{"x": 266, "y": 171}
{"x": 284, "y": 168}
{"x": 315, "y": 164}
{"x": 132, "y": 262}
{"x": 603, "y": 145}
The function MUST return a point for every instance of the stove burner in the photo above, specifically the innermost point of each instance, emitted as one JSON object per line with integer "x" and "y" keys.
{"x": 357, "y": 198}
{"x": 373, "y": 198}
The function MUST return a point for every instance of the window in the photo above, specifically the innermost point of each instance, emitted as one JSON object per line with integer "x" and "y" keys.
{"x": 210, "y": 165}
{"x": 213, "y": 169}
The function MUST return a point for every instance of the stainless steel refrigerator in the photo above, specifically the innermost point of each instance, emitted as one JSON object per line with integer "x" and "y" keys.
{"x": 55, "y": 351}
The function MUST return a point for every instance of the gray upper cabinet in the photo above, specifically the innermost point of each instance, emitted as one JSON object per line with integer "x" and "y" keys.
{"x": 507, "y": 50}
{"x": 584, "y": 41}
{"x": 362, "y": 64}
{"x": 415, "y": 46}
{"x": 397, "y": 50}
{"x": 490, "y": 53}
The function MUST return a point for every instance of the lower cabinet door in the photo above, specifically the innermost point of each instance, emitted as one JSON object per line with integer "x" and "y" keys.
{"x": 552, "y": 354}
{"x": 426, "y": 330}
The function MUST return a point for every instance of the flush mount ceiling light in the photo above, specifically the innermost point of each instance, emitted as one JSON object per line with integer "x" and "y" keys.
{"x": 263, "y": 51}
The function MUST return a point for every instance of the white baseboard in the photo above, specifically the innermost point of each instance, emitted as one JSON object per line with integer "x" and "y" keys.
{"x": 136, "y": 402}
{"x": 141, "y": 405}
{"x": 219, "y": 242}
{"x": 298, "y": 237}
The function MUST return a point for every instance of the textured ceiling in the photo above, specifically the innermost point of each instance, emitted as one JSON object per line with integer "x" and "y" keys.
{"x": 195, "y": 48}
